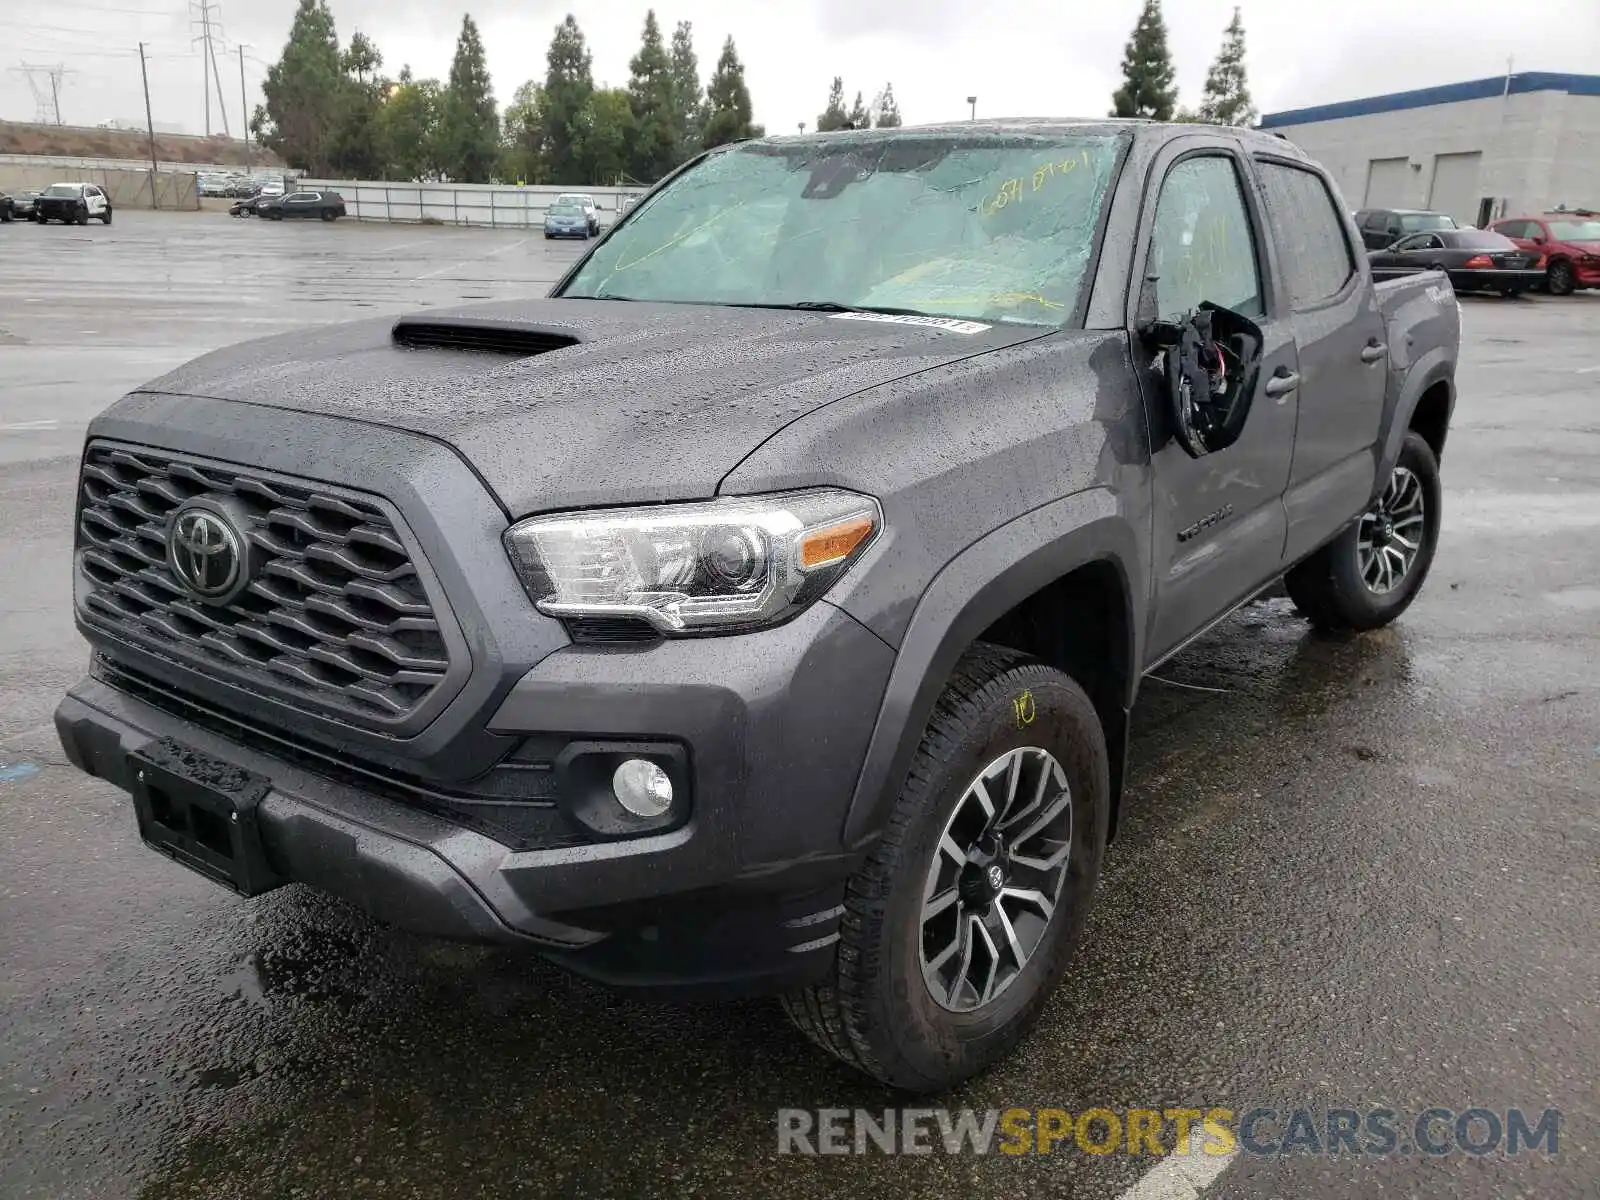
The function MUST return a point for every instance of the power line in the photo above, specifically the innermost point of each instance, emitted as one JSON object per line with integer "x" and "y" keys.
{"x": 210, "y": 16}
{"x": 45, "y": 82}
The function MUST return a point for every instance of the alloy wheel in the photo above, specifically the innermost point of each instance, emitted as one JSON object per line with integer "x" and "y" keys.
{"x": 995, "y": 879}
{"x": 1391, "y": 533}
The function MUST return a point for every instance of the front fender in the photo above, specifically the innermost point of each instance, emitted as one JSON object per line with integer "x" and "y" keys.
{"x": 968, "y": 595}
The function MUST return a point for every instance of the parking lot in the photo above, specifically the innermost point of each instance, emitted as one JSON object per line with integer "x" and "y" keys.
{"x": 1351, "y": 873}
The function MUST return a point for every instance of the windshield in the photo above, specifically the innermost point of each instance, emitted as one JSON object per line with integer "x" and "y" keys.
{"x": 1575, "y": 231}
{"x": 64, "y": 189}
{"x": 565, "y": 210}
{"x": 986, "y": 225}
{"x": 570, "y": 200}
{"x": 1417, "y": 222}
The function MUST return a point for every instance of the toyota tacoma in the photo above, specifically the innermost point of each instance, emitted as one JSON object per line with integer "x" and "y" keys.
{"x": 763, "y": 609}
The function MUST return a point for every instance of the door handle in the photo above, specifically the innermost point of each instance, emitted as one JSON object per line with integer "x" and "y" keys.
{"x": 1373, "y": 351}
{"x": 1283, "y": 383}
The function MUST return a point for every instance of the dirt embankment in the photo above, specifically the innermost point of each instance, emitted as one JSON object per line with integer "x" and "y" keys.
{"x": 75, "y": 142}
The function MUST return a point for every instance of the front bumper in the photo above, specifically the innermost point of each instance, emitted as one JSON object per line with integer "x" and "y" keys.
{"x": 743, "y": 897}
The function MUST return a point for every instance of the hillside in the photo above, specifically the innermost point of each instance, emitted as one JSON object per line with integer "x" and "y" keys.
{"x": 72, "y": 141}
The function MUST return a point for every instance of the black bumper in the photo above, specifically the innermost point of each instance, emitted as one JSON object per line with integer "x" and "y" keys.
{"x": 1467, "y": 281}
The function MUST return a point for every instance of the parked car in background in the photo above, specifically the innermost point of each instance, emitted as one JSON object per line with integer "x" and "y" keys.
{"x": 1474, "y": 259}
{"x": 591, "y": 211}
{"x": 24, "y": 203}
{"x": 73, "y": 204}
{"x": 211, "y": 183}
{"x": 1569, "y": 243}
{"x": 245, "y": 206}
{"x": 326, "y": 206}
{"x": 566, "y": 220}
{"x": 8, "y": 208}
{"x": 1383, "y": 227}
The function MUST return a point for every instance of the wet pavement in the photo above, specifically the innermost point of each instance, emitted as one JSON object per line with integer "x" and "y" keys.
{"x": 1352, "y": 873}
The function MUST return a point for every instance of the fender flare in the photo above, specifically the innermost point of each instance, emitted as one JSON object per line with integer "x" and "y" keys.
{"x": 972, "y": 591}
{"x": 1433, "y": 367}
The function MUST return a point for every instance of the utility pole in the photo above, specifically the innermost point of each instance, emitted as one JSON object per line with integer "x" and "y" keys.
{"x": 973, "y": 101}
{"x": 45, "y": 83}
{"x": 210, "y": 30}
{"x": 150, "y": 125}
{"x": 244, "y": 110}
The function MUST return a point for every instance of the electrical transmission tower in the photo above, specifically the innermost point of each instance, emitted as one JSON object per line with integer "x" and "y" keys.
{"x": 46, "y": 85}
{"x": 208, "y": 13}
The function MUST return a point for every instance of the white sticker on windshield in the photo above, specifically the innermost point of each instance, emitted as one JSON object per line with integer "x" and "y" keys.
{"x": 953, "y": 324}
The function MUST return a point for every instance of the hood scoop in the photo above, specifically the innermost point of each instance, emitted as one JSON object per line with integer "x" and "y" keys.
{"x": 488, "y": 337}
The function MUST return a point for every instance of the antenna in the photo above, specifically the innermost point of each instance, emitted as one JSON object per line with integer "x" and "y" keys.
{"x": 45, "y": 82}
{"x": 209, "y": 14}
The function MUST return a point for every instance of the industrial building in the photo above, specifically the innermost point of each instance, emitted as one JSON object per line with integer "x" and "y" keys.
{"x": 1479, "y": 150}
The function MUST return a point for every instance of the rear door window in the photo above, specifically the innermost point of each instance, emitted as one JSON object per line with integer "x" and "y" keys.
{"x": 1305, "y": 222}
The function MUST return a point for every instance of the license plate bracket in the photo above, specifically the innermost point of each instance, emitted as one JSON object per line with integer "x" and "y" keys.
{"x": 202, "y": 813}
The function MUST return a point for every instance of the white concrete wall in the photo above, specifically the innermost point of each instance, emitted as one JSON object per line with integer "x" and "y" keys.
{"x": 1539, "y": 148}
{"x": 497, "y": 206}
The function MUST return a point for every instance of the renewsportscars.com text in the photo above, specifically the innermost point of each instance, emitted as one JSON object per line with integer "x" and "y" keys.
{"x": 1261, "y": 1130}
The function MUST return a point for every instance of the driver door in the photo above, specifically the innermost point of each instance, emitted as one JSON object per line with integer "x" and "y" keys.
{"x": 1219, "y": 522}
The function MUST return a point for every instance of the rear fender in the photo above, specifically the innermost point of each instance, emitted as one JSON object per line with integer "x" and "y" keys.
{"x": 1434, "y": 366}
{"x": 973, "y": 591}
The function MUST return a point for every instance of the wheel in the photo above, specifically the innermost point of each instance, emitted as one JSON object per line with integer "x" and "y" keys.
{"x": 963, "y": 919}
{"x": 5, "y": 216}
{"x": 106, "y": 216}
{"x": 83, "y": 216}
{"x": 1370, "y": 574}
{"x": 1560, "y": 278}
{"x": 328, "y": 214}
{"x": 276, "y": 215}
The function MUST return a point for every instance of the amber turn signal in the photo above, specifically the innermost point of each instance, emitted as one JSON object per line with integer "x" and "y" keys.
{"x": 833, "y": 542}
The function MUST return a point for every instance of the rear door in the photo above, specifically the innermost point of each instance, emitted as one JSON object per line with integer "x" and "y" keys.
{"x": 300, "y": 204}
{"x": 1219, "y": 519}
{"x": 1339, "y": 336}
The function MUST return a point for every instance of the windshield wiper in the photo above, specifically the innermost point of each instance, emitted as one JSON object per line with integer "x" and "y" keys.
{"x": 834, "y": 306}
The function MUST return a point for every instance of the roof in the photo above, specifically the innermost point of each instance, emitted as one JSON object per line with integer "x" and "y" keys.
{"x": 1047, "y": 127}
{"x": 1450, "y": 93}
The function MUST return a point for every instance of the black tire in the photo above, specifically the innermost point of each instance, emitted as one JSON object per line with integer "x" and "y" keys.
{"x": 5, "y": 216}
{"x": 1560, "y": 278}
{"x": 875, "y": 1011}
{"x": 83, "y": 216}
{"x": 1328, "y": 588}
{"x": 106, "y": 216}
{"x": 328, "y": 214}
{"x": 276, "y": 215}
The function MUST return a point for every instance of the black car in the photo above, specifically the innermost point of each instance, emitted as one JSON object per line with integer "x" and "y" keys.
{"x": 24, "y": 204}
{"x": 1383, "y": 227}
{"x": 1475, "y": 260}
{"x": 245, "y": 206}
{"x": 8, "y": 208}
{"x": 328, "y": 206}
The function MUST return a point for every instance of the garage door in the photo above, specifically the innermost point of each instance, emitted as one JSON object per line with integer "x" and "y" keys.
{"x": 1388, "y": 183}
{"x": 1455, "y": 186}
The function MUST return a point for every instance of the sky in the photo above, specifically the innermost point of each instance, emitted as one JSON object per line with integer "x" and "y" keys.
{"x": 1020, "y": 58}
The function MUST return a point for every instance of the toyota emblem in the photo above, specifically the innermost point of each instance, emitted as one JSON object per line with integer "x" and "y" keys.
{"x": 205, "y": 553}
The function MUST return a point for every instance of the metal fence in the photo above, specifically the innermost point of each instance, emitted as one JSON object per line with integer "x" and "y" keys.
{"x": 493, "y": 205}
{"x": 126, "y": 186}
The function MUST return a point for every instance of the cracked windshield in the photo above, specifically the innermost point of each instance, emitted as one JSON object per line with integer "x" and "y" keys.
{"x": 994, "y": 229}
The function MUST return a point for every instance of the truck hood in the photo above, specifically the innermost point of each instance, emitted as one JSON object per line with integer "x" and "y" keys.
{"x": 648, "y": 402}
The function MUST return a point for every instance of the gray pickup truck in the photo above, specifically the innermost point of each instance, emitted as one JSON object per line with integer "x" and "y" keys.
{"x": 762, "y": 611}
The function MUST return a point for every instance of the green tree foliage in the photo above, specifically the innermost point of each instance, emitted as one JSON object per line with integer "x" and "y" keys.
{"x": 728, "y": 117}
{"x": 568, "y": 88}
{"x": 302, "y": 91}
{"x": 605, "y": 137}
{"x": 1226, "y": 100}
{"x": 860, "y": 118}
{"x": 686, "y": 91}
{"x": 655, "y": 108}
{"x": 469, "y": 125}
{"x": 356, "y": 146}
{"x": 409, "y": 122}
{"x": 1148, "y": 88}
{"x": 361, "y": 58}
{"x": 833, "y": 116}
{"x": 522, "y": 149}
{"x": 887, "y": 112}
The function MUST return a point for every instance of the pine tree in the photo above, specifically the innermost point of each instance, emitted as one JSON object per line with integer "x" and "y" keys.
{"x": 1148, "y": 89}
{"x": 470, "y": 125}
{"x": 354, "y": 143}
{"x": 522, "y": 136}
{"x": 568, "y": 85}
{"x": 686, "y": 91}
{"x": 1226, "y": 100}
{"x": 728, "y": 101}
{"x": 886, "y": 110}
{"x": 302, "y": 90}
{"x": 605, "y": 136}
{"x": 860, "y": 118}
{"x": 654, "y": 105}
{"x": 833, "y": 117}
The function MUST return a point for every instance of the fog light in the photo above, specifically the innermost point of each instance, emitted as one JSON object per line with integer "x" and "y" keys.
{"x": 642, "y": 788}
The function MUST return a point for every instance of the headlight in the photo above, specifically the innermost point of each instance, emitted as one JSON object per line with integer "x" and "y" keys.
{"x": 715, "y": 566}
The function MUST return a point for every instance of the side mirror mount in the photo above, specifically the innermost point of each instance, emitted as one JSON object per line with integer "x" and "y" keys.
{"x": 1539, "y": 239}
{"x": 1212, "y": 358}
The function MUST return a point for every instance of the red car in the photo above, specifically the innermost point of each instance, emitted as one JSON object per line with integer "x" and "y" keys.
{"x": 1570, "y": 242}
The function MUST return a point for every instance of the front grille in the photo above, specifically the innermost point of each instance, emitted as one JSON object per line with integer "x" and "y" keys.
{"x": 336, "y": 613}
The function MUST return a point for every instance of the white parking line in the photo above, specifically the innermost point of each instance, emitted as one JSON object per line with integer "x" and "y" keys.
{"x": 18, "y": 426}
{"x": 1587, "y": 370}
{"x": 1182, "y": 1176}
